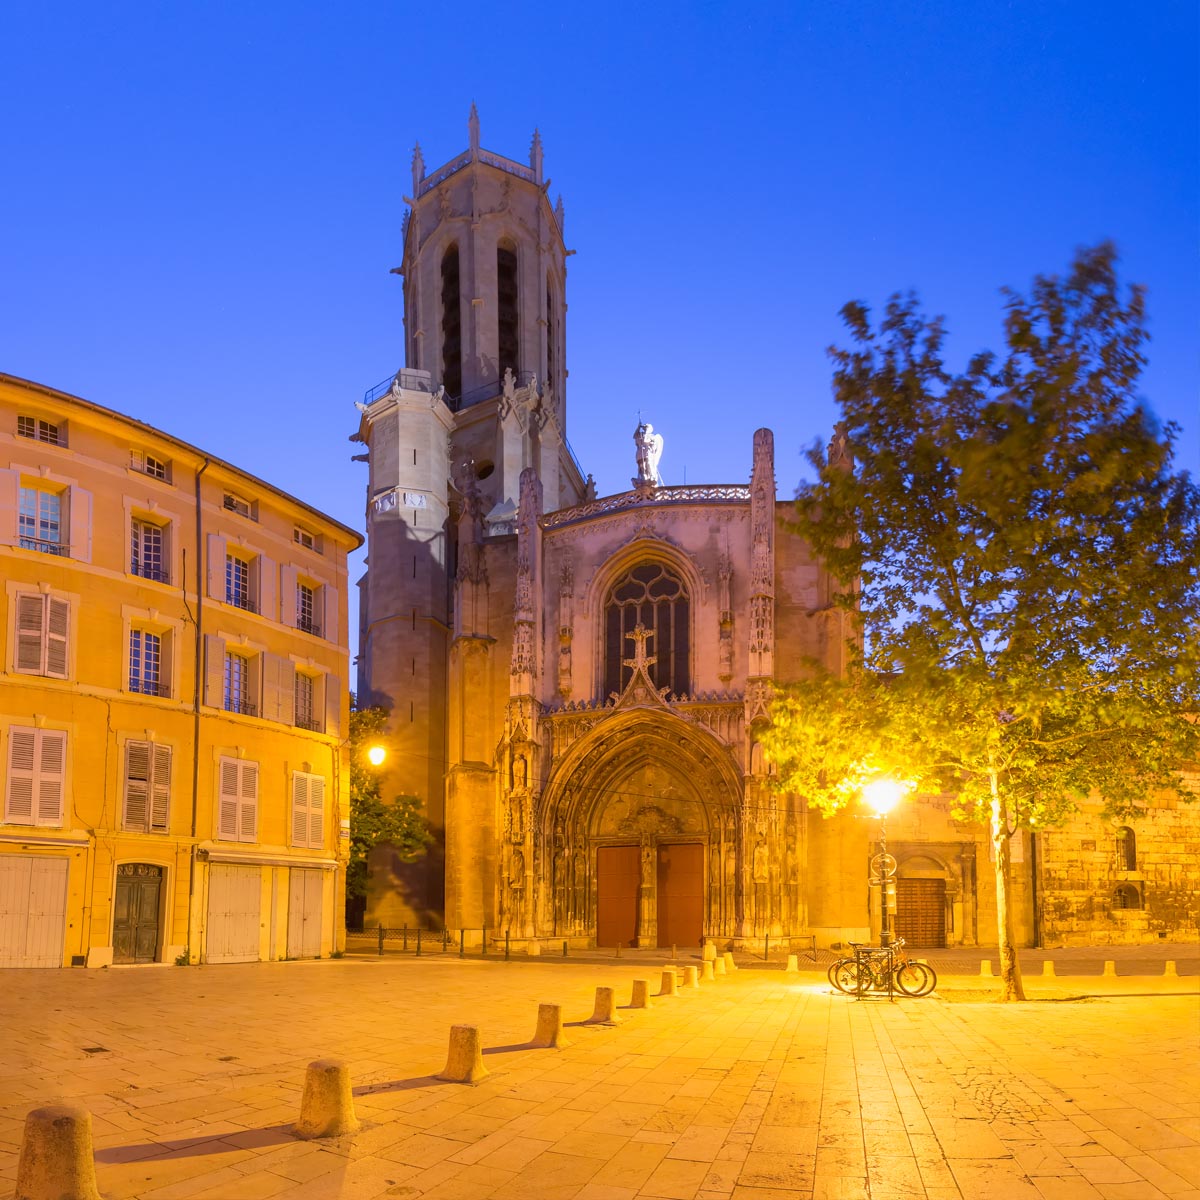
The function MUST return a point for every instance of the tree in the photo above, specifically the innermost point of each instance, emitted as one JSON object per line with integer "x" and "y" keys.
{"x": 373, "y": 822}
{"x": 1024, "y": 562}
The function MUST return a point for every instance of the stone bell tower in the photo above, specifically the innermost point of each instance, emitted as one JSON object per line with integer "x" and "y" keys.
{"x": 481, "y": 398}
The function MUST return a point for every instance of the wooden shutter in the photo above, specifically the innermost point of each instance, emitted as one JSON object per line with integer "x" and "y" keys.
{"x": 31, "y": 624}
{"x": 52, "y": 763}
{"x": 287, "y": 594}
{"x": 160, "y": 790}
{"x": 254, "y": 682}
{"x": 333, "y": 704}
{"x": 22, "y": 760}
{"x": 10, "y": 484}
{"x": 268, "y": 582}
{"x": 214, "y": 671}
{"x": 227, "y": 817}
{"x": 287, "y": 692}
{"x": 299, "y": 808}
{"x": 58, "y": 622}
{"x": 79, "y": 517}
{"x": 216, "y": 567}
{"x": 137, "y": 784}
{"x": 248, "y": 803}
{"x": 316, "y": 810}
{"x": 329, "y": 617}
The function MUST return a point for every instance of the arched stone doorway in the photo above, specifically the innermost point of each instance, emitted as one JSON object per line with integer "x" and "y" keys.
{"x": 639, "y": 835}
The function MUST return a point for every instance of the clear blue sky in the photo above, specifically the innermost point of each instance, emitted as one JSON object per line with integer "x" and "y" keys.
{"x": 200, "y": 203}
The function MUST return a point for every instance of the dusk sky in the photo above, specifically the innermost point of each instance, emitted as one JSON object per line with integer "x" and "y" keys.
{"x": 201, "y": 202}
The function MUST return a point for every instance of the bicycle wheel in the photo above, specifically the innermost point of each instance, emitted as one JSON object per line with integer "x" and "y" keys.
{"x": 915, "y": 979}
{"x": 844, "y": 975}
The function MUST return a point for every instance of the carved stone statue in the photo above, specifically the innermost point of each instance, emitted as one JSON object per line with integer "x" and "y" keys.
{"x": 649, "y": 450}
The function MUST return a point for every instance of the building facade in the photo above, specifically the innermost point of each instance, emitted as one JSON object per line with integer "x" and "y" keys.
{"x": 173, "y": 699}
{"x": 577, "y": 685}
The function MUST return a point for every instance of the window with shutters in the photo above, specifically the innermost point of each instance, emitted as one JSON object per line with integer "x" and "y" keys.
{"x": 240, "y": 693}
{"x": 37, "y": 762}
{"x": 40, "y": 523}
{"x": 237, "y": 802}
{"x": 148, "y": 556}
{"x": 149, "y": 464}
{"x": 307, "y": 599}
{"x": 148, "y": 672}
{"x": 237, "y": 583}
{"x": 43, "y": 630}
{"x": 52, "y": 432}
{"x": 308, "y": 809}
{"x": 147, "y": 787}
{"x": 307, "y": 715}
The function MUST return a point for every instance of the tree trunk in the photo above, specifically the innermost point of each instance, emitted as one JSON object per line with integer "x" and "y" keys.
{"x": 1011, "y": 987}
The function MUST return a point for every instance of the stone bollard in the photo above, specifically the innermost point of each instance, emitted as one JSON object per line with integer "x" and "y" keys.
{"x": 669, "y": 983}
{"x": 985, "y": 968}
{"x": 730, "y": 965}
{"x": 1048, "y": 968}
{"x": 793, "y": 965}
{"x": 605, "y": 1012}
{"x": 1169, "y": 971}
{"x": 1110, "y": 969}
{"x": 56, "y": 1160}
{"x": 709, "y": 952}
{"x": 706, "y": 971}
{"x": 690, "y": 978}
{"x": 327, "y": 1108}
{"x": 718, "y": 966}
{"x": 641, "y": 994}
{"x": 549, "y": 1032}
{"x": 464, "y": 1062}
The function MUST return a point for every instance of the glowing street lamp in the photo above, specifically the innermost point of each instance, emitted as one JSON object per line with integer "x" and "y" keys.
{"x": 881, "y": 796}
{"x": 376, "y": 755}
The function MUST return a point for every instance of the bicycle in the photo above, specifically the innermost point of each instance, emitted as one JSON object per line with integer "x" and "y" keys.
{"x": 870, "y": 967}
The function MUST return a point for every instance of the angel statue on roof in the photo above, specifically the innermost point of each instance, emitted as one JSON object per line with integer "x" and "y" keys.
{"x": 649, "y": 450}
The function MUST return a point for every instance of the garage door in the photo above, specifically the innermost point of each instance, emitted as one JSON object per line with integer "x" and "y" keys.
{"x": 304, "y": 913}
{"x": 234, "y": 908}
{"x": 33, "y": 906}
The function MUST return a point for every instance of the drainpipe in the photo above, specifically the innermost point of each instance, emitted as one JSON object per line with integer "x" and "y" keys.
{"x": 196, "y": 696}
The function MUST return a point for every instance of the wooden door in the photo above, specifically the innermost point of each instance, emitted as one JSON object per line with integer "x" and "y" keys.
{"x": 304, "y": 913}
{"x": 234, "y": 914}
{"x": 136, "y": 913}
{"x": 680, "y": 894}
{"x": 33, "y": 906}
{"x": 921, "y": 911}
{"x": 618, "y": 879}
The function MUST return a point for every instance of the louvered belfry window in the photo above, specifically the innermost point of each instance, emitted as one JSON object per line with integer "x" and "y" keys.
{"x": 507, "y": 310}
{"x": 147, "y": 787}
{"x": 451, "y": 325}
{"x": 652, "y": 595}
{"x": 308, "y": 807}
{"x": 37, "y": 762}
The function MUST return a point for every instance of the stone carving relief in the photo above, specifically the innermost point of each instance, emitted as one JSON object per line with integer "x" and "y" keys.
{"x": 725, "y": 644}
{"x": 566, "y": 623}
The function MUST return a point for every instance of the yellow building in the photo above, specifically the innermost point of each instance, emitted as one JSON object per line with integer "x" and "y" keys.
{"x": 173, "y": 699}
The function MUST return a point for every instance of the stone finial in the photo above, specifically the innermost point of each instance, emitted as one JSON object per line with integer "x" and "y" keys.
{"x": 559, "y": 214}
{"x": 535, "y": 156}
{"x": 473, "y": 129}
{"x": 418, "y": 168}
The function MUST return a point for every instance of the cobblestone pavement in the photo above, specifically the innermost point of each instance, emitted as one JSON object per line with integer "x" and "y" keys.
{"x": 758, "y": 1086}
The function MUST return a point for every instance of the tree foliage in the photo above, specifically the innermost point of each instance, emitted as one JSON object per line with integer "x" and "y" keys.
{"x": 1024, "y": 559}
{"x": 374, "y": 822}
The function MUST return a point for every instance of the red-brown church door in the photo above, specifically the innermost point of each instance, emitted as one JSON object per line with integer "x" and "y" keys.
{"x": 921, "y": 912}
{"x": 618, "y": 878}
{"x": 680, "y": 895}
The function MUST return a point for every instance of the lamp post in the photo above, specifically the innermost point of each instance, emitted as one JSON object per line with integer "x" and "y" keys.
{"x": 881, "y": 796}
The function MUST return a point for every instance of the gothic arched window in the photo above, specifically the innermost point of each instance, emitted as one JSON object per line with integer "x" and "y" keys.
{"x": 451, "y": 325}
{"x": 506, "y": 308}
{"x": 652, "y": 595}
{"x": 1126, "y": 849}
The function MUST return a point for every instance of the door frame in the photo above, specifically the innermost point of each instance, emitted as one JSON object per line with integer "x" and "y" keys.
{"x": 165, "y": 881}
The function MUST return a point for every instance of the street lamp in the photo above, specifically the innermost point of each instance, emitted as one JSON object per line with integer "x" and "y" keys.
{"x": 376, "y": 755}
{"x": 881, "y": 796}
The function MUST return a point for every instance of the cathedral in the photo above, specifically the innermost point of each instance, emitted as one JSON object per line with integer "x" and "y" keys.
{"x": 577, "y": 684}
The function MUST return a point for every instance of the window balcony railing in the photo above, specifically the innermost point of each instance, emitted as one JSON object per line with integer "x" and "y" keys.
{"x": 45, "y": 547}
{"x": 150, "y": 687}
{"x": 308, "y": 625}
{"x": 241, "y": 600}
{"x": 245, "y": 708}
{"x": 309, "y": 723}
{"x": 149, "y": 571}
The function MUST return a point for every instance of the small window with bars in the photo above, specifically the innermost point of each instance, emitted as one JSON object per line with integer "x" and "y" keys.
{"x": 147, "y": 551}
{"x": 147, "y": 675}
{"x": 307, "y": 716}
{"x": 40, "y": 521}
{"x": 49, "y": 432}
{"x": 237, "y": 583}
{"x": 306, "y": 609}
{"x": 239, "y": 692}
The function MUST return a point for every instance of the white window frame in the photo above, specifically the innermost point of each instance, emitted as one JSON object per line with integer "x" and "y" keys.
{"x": 138, "y": 527}
{"x": 31, "y": 770}
{"x": 41, "y": 634}
{"x": 50, "y": 433}
{"x": 137, "y": 684}
{"x": 60, "y": 544}
{"x": 308, "y": 809}
{"x": 312, "y": 682}
{"x": 146, "y": 802}
{"x": 237, "y": 800}
{"x": 149, "y": 464}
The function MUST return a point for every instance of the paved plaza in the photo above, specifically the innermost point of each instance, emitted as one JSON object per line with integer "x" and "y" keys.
{"x": 759, "y": 1086}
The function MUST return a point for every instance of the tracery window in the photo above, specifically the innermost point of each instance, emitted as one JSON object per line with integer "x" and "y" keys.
{"x": 451, "y": 325}
{"x": 653, "y": 595}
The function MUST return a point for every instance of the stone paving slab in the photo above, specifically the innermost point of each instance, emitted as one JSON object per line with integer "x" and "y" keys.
{"x": 759, "y": 1086}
